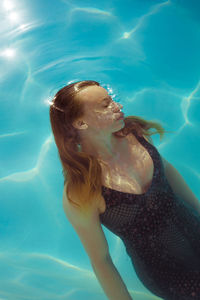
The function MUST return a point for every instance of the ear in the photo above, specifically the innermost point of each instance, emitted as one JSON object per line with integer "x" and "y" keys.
{"x": 78, "y": 124}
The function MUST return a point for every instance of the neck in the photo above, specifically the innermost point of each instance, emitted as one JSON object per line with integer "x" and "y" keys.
{"x": 106, "y": 152}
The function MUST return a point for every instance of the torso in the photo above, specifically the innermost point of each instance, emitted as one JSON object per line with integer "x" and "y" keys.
{"x": 132, "y": 173}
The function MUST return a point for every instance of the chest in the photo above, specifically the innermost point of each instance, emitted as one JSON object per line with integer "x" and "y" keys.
{"x": 132, "y": 174}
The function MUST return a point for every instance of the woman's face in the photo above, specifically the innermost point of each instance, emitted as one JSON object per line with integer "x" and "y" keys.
{"x": 100, "y": 111}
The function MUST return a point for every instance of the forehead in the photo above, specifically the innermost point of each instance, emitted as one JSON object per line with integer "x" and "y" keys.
{"x": 93, "y": 94}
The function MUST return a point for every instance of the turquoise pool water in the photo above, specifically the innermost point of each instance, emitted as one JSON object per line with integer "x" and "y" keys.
{"x": 147, "y": 54}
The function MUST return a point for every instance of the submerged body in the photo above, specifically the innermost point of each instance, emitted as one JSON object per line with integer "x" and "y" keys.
{"x": 160, "y": 231}
{"x": 144, "y": 200}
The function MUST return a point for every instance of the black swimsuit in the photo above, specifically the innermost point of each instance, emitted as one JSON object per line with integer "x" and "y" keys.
{"x": 161, "y": 234}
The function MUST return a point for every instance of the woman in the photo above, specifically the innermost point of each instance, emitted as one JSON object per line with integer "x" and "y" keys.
{"x": 115, "y": 176}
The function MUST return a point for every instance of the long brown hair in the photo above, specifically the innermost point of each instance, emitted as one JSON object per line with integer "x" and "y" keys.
{"x": 82, "y": 171}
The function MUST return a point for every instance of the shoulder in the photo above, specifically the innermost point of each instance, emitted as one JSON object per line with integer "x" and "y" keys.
{"x": 68, "y": 206}
{"x": 147, "y": 139}
{"x": 88, "y": 227}
{"x": 164, "y": 161}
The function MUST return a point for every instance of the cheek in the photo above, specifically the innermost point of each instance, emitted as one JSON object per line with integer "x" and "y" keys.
{"x": 104, "y": 117}
{"x": 104, "y": 121}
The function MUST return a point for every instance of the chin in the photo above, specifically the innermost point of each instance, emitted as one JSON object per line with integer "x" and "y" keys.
{"x": 120, "y": 131}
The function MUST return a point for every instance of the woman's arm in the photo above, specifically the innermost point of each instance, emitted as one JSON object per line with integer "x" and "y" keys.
{"x": 110, "y": 280}
{"x": 179, "y": 185}
{"x": 90, "y": 232}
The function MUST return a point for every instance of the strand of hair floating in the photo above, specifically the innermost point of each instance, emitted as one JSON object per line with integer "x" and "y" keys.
{"x": 58, "y": 108}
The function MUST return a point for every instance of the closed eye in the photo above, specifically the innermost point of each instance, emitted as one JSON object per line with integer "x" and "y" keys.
{"x": 109, "y": 99}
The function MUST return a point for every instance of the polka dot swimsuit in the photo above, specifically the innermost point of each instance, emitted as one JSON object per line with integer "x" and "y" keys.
{"x": 161, "y": 234}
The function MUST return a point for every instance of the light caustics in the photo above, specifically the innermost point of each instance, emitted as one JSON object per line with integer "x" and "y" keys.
{"x": 13, "y": 23}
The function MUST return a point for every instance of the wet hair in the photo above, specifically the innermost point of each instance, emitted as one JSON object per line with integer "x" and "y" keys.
{"x": 82, "y": 171}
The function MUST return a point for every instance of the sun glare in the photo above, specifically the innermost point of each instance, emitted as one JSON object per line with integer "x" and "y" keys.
{"x": 9, "y": 53}
{"x": 8, "y": 5}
